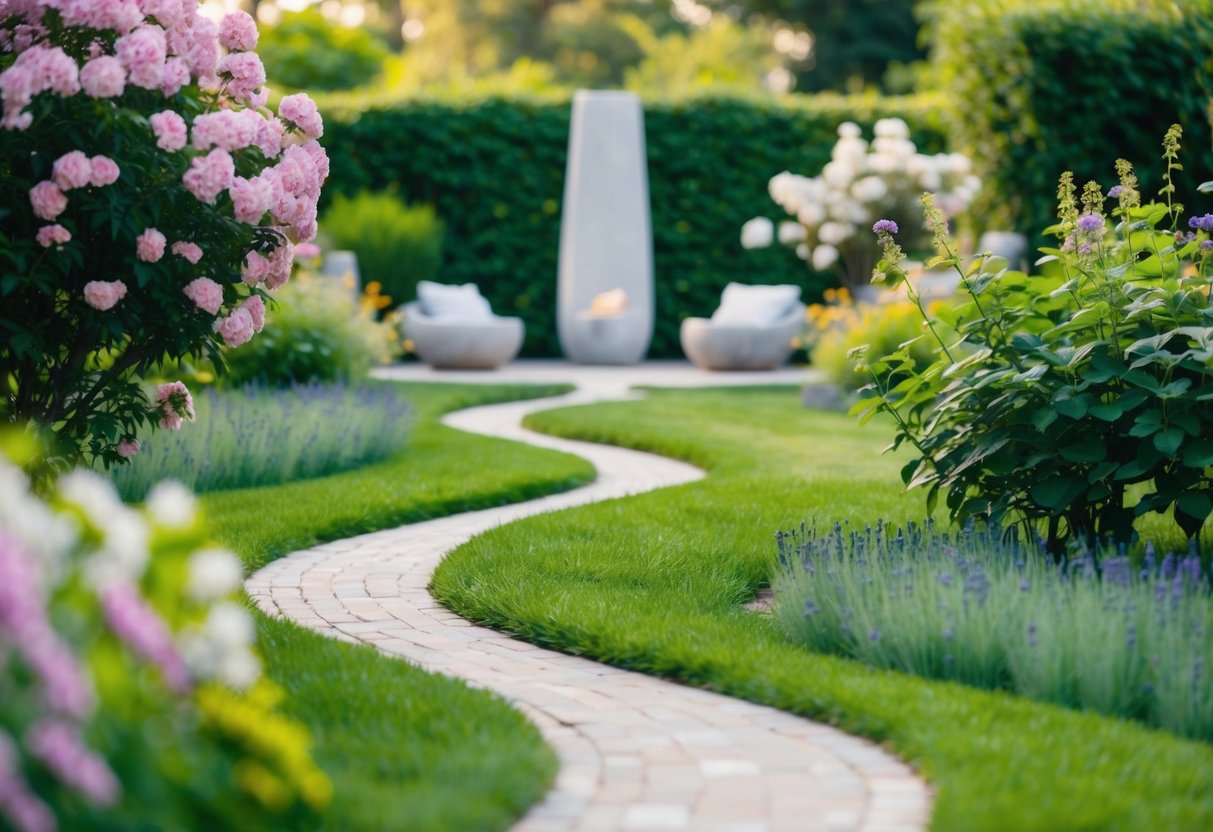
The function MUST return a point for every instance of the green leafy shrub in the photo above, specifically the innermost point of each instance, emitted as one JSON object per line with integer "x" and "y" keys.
{"x": 397, "y": 244}
{"x": 1061, "y": 394}
{"x": 494, "y": 169}
{"x": 319, "y": 332}
{"x": 1050, "y": 85}
{"x": 256, "y": 436}
{"x": 1097, "y": 634}
{"x": 306, "y": 50}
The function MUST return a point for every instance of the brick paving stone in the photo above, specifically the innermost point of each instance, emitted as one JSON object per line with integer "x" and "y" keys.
{"x": 637, "y": 753}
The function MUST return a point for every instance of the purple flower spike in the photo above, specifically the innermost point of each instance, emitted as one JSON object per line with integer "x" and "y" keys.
{"x": 884, "y": 227}
{"x": 1090, "y": 222}
{"x": 1204, "y": 223}
{"x": 1115, "y": 191}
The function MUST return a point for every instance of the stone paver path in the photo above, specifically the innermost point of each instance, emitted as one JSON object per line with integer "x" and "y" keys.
{"x": 636, "y": 752}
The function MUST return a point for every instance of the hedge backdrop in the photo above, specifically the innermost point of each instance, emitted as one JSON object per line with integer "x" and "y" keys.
{"x": 494, "y": 169}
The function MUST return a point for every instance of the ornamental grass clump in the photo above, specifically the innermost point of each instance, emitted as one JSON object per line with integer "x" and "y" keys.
{"x": 1074, "y": 401}
{"x": 1096, "y": 632}
{"x": 256, "y": 436}
{"x": 150, "y": 203}
{"x": 131, "y": 689}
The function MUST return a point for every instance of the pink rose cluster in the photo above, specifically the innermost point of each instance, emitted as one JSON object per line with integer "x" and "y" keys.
{"x": 245, "y": 321}
{"x": 104, "y": 295}
{"x": 174, "y": 405}
{"x": 71, "y": 170}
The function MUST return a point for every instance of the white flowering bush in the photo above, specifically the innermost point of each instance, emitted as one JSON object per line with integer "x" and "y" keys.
{"x": 130, "y": 686}
{"x": 150, "y": 201}
{"x": 834, "y": 210}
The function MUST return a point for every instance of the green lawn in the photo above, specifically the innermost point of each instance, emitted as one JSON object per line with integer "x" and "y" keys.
{"x": 656, "y": 583}
{"x": 405, "y": 749}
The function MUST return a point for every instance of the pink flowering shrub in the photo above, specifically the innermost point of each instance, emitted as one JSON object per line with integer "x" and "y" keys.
{"x": 152, "y": 201}
{"x": 133, "y": 694}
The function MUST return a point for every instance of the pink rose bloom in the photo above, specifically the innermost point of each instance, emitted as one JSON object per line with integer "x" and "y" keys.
{"x": 229, "y": 129}
{"x": 103, "y": 77}
{"x": 149, "y": 246}
{"x": 142, "y": 53}
{"x": 49, "y": 235}
{"x": 237, "y": 328}
{"x": 238, "y": 32}
{"x": 104, "y": 294}
{"x": 301, "y": 111}
{"x": 176, "y": 75}
{"x": 127, "y": 448}
{"x": 209, "y": 175}
{"x": 37, "y": 69}
{"x": 105, "y": 171}
{"x": 206, "y": 294}
{"x": 308, "y": 250}
{"x": 175, "y": 404}
{"x": 198, "y": 44}
{"x": 72, "y": 170}
{"x": 256, "y": 267}
{"x": 170, "y": 130}
{"x": 281, "y": 260}
{"x": 16, "y": 91}
{"x": 190, "y": 251}
{"x": 119, "y": 15}
{"x": 168, "y": 13}
{"x": 255, "y": 307}
{"x": 47, "y": 200}
{"x": 269, "y": 136}
{"x": 244, "y": 74}
{"x": 250, "y": 198}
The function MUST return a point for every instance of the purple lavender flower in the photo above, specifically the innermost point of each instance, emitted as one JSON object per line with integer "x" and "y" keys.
{"x": 18, "y": 804}
{"x": 1206, "y": 245}
{"x": 1116, "y": 571}
{"x": 1090, "y": 222}
{"x": 945, "y": 578}
{"x": 138, "y": 625}
{"x": 59, "y": 746}
{"x": 1181, "y": 237}
{"x": 884, "y": 227}
{"x": 1032, "y": 640}
{"x": 1204, "y": 223}
{"x": 874, "y": 636}
{"x": 1115, "y": 191}
{"x": 1024, "y": 585}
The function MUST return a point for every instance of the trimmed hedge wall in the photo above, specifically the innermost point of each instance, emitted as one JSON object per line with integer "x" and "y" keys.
{"x": 495, "y": 171}
{"x": 1042, "y": 86}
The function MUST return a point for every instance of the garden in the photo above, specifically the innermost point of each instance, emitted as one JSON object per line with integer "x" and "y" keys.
{"x": 263, "y": 567}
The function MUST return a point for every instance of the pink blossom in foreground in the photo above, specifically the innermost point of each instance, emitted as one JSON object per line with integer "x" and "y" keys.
{"x": 72, "y": 170}
{"x": 127, "y": 448}
{"x": 59, "y": 746}
{"x": 237, "y": 328}
{"x": 228, "y": 129}
{"x": 170, "y": 130}
{"x": 47, "y": 199}
{"x": 105, "y": 171}
{"x": 175, "y": 404}
{"x": 53, "y": 235}
{"x": 250, "y": 198}
{"x": 256, "y": 267}
{"x": 301, "y": 111}
{"x": 36, "y": 70}
{"x": 255, "y": 307}
{"x": 143, "y": 53}
{"x": 145, "y": 633}
{"x": 280, "y": 262}
{"x": 209, "y": 175}
{"x": 103, "y": 77}
{"x": 175, "y": 76}
{"x": 198, "y": 45}
{"x": 104, "y": 294}
{"x": 120, "y": 15}
{"x": 238, "y": 32}
{"x": 149, "y": 246}
{"x": 190, "y": 251}
{"x": 168, "y": 13}
{"x": 206, "y": 294}
{"x": 244, "y": 74}
{"x": 307, "y": 250}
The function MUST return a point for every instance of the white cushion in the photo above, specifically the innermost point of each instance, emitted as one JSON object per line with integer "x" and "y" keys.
{"x": 742, "y": 305}
{"x": 453, "y": 303}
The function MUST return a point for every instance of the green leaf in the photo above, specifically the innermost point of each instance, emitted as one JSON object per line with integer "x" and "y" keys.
{"x": 1090, "y": 448}
{"x": 1194, "y": 504}
{"x": 1058, "y": 492}
{"x": 1198, "y": 454}
{"x": 1107, "y": 411}
{"x": 1041, "y": 419}
{"x": 1169, "y": 440}
{"x": 1075, "y": 407}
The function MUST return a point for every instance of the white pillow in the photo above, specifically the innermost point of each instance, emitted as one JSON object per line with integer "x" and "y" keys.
{"x": 453, "y": 303}
{"x": 742, "y": 305}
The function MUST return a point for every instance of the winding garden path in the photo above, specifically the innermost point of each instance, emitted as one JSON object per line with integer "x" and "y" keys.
{"x": 636, "y": 752}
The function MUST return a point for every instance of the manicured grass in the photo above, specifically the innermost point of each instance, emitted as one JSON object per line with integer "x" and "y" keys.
{"x": 405, "y": 749}
{"x": 656, "y": 583}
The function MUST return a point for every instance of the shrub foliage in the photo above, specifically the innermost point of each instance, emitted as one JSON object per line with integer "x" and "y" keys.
{"x": 494, "y": 169}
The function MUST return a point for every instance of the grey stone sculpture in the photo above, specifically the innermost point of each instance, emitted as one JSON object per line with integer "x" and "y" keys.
{"x": 605, "y": 232}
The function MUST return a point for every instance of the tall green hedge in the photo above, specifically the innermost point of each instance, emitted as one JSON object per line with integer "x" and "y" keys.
{"x": 495, "y": 171}
{"x": 1042, "y": 86}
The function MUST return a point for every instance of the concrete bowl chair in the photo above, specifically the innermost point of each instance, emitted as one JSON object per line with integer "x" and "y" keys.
{"x": 755, "y": 328}
{"x": 453, "y": 328}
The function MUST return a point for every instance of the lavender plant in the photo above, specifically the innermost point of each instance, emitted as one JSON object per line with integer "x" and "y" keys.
{"x": 1077, "y": 399}
{"x": 982, "y": 608}
{"x": 257, "y": 436}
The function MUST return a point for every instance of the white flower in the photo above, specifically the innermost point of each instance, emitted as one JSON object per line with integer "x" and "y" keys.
{"x": 851, "y": 152}
{"x": 803, "y": 251}
{"x": 930, "y": 180}
{"x": 791, "y": 232}
{"x": 123, "y": 553}
{"x": 41, "y": 531}
{"x": 239, "y": 669}
{"x": 229, "y": 625}
{"x": 824, "y": 256}
{"x": 883, "y": 163}
{"x": 834, "y": 233}
{"x": 757, "y": 233}
{"x": 837, "y": 174}
{"x": 213, "y": 573}
{"x": 870, "y": 189}
{"x": 892, "y": 128}
{"x": 849, "y": 130}
{"x": 959, "y": 164}
{"x": 171, "y": 505}
{"x": 811, "y": 215}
